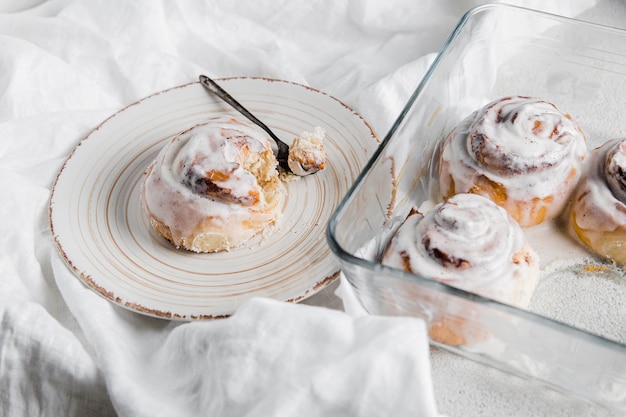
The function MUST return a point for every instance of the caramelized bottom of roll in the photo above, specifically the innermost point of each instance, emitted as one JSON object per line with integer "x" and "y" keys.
{"x": 458, "y": 329}
{"x": 527, "y": 212}
{"x": 608, "y": 244}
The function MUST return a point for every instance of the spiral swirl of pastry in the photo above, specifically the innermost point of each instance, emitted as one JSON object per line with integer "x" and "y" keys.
{"x": 521, "y": 152}
{"x": 598, "y": 213}
{"x": 213, "y": 186}
{"x": 470, "y": 243}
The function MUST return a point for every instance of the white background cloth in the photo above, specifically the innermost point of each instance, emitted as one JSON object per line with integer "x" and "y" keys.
{"x": 67, "y": 65}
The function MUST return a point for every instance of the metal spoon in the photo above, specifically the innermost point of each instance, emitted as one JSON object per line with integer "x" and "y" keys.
{"x": 283, "y": 149}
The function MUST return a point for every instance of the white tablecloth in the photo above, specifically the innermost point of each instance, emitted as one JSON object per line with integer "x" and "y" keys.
{"x": 65, "y": 66}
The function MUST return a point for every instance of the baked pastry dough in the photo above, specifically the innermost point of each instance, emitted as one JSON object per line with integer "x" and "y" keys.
{"x": 307, "y": 154}
{"x": 598, "y": 213}
{"x": 470, "y": 243}
{"x": 213, "y": 186}
{"x": 521, "y": 152}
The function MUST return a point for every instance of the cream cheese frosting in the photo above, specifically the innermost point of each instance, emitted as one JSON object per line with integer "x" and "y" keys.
{"x": 214, "y": 182}
{"x": 521, "y": 152}
{"x": 470, "y": 243}
{"x": 598, "y": 213}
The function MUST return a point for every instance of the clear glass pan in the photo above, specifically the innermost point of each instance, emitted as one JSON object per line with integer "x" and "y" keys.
{"x": 499, "y": 50}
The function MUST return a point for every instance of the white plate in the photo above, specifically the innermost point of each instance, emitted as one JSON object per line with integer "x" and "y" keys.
{"x": 100, "y": 229}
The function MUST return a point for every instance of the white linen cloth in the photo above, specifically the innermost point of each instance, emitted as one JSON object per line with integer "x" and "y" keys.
{"x": 67, "y": 65}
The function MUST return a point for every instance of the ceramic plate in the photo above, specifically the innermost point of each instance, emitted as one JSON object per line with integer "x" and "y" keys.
{"x": 101, "y": 231}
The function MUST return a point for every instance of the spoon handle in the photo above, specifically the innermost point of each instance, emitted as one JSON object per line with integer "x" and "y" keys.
{"x": 283, "y": 148}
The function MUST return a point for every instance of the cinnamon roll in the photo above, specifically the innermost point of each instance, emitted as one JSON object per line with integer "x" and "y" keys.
{"x": 598, "y": 213}
{"x": 470, "y": 243}
{"x": 213, "y": 186}
{"x": 521, "y": 152}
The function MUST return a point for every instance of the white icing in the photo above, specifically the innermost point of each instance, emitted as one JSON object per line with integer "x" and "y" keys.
{"x": 595, "y": 197}
{"x": 526, "y": 145}
{"x": 170, "y": 193}
{"x": 598, "y": 213}
{"x": 307, "y": 154}
{"x": 484, "y": 250}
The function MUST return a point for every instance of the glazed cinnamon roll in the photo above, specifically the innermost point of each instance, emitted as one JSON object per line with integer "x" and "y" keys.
{"x": 469, "y": 243}
{"x": 598, "y": 213}
{"x": 213, "y": 187}
{"x": 521, "y": 152}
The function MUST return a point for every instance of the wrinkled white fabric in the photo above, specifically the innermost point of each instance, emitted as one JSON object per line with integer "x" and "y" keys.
{"x": 65, "y": 66}
{"x": 270, "y": 358}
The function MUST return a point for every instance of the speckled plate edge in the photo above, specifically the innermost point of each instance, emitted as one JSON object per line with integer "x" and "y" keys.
{"x": 286, "y": 107}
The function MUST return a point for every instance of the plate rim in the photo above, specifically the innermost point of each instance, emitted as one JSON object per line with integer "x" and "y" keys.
{"x": 85, "y": 276}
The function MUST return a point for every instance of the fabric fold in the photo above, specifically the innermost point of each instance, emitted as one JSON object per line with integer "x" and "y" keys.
{"x": 269, "y": 358}
{"x": 66, "y": 66}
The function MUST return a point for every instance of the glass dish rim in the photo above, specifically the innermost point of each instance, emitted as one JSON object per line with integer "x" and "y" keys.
{"x": 345, "y": 256}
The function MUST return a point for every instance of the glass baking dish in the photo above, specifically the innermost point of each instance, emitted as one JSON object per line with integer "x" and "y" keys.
{"x": 573, "y": 336}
